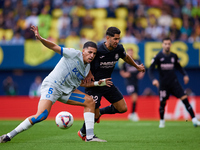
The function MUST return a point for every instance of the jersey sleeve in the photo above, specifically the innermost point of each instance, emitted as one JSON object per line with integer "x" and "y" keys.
{"x": 69, "y": 52}
{"x": 151, "y": 69}
{"x": 122, "y": 52}
{"x": 178, "y": 66}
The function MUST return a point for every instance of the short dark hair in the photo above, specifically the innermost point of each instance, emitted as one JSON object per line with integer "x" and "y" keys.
{"x": 111, "y": 31}
{"x": 166, "y": 39}
{"x": 90, "y": 44}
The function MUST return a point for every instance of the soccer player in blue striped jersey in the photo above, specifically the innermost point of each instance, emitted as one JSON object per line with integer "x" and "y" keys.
{"x": 61, "y": 84}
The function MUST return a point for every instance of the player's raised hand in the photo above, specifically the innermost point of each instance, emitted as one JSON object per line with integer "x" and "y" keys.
{"x": 36, "y": 32}
{"x": 141, "y": 68}
{"x": 186, "y": 79}
{"x": 105, "y": 82}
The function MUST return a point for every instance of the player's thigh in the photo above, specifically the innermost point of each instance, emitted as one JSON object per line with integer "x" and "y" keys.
{"x": 113, "y": 94}
{"x": 96, "y": 94}
{"x": 81, "y": 99}
{"x": 163, "y": 93}
{"x": 177, "y": 90}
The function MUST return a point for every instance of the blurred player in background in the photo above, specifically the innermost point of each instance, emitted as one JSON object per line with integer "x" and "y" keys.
{"x": 166, "y": 62}
{"x": 35, "y": 87}
{"x": 108, "y": 54}
{"x": 131, "y": 76}
{"x": 61, "y": 84}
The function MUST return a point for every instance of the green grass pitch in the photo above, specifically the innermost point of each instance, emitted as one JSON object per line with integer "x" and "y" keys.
{"x": 121, "y": 135}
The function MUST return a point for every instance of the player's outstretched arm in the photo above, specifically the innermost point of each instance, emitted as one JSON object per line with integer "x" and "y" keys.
{"x": 103, "y": 82}
{"x": 130, "y": 61}
{"x": 46, "y": 42}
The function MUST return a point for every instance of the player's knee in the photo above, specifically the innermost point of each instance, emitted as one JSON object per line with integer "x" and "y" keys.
{"x": 90, "y": 101}
{"x": 123, "y": 109}
{"x": 41, "y": 117}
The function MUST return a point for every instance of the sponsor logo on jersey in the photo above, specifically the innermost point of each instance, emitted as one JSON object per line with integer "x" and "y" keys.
{"x": 116, "y": 56}
{"x": 167, "y": 66}
{"x": 107, "y": 64}
{"x": 79, "y": 76}
{"x": 172, "y": 59}
{"x": 101, "y": 57}
{"x": 162, "y": 59}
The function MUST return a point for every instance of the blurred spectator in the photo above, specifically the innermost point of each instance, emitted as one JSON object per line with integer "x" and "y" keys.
{"x": 87, "y": 20}
{"x": 187, "y": 9}
{"x": 7, "y": 7}
{"x": 165, "y": 19}
{"x": 17, "y": 39}
{"x": 175, "y": 32}
{"x": 9, "y": 20}
{"x": 110, "y": 10}
{"x": 47, "y": 6}
{"x": 2, "y": 22}
{"x": 44, "y": 23}
{"x": 32, "y": 19}
{"x": 186, "y": 29}
{"x": 64, "y": 25}
{"x": 3, "y": 41}
{"x": 66, "y": 7}
{"x": 89, "y": 4}
{"x": 102, "y": 3}
{"x": 129, "y": 38}
{"x": 35, "y": 87}
{"x": 9, "y": 86}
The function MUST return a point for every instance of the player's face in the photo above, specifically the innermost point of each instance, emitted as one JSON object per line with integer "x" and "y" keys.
{"x": 89, "y": 54}
{"x": 166, "y": 45}
{"x": 113, "y": 41}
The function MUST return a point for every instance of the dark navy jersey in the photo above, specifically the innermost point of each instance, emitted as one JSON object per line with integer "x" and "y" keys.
{"x": 132, "y": 80}
{"x": 104, "y": 62}
{"x": 166, "y": 65}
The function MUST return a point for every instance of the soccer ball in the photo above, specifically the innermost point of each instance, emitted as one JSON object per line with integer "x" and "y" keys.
{"x": 64, "y": 120}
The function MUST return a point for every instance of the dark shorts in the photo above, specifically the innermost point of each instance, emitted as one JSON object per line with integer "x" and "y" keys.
{"x": 112, "y": 94}
{"x": 131, "y": 88}
{"x": 173, "y": 89}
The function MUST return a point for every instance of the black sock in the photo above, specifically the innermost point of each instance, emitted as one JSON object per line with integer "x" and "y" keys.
{"x": 162, "y": 109}
{"x": 109, "y": 110}
{"x": 188, "y": 107}
{"x": 133, "y": 107}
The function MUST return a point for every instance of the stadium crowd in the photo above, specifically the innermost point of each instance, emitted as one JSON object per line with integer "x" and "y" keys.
{"x": 75, "y": 21}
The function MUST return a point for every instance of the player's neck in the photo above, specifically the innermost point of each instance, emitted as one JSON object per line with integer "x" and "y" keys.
{"x": 108, "y": 47}
{"x": 166, "y": 53}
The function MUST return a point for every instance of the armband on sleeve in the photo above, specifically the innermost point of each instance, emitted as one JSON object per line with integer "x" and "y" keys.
{"x": 102, "y": 84}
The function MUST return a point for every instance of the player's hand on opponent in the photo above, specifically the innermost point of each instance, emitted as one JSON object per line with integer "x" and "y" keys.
{"x": 141, "y": 68}
{"x": 186, "y": 79}
{"x": 105, "y": 82}
{"x": 89, "y": 78}
{"x": 155, "y": 83}
{"x": 36, "y": 32}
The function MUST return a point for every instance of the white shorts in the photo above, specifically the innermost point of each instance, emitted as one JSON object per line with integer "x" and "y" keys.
{"x": 50, "y": 91}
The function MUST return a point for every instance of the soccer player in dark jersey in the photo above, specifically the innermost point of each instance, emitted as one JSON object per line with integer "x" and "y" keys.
{"x": 131, "y": 76}
{"x": 166, "y": 62}
{"x": 108, "y": 53}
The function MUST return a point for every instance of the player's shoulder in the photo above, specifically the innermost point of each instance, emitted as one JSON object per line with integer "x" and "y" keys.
{"x": 120, "y": 47}
{"x": 173, "y": 54}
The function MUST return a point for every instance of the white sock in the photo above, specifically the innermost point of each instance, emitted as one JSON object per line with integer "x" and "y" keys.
{"x": 21, "y": 127}
{"x": 89, "y": 124}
